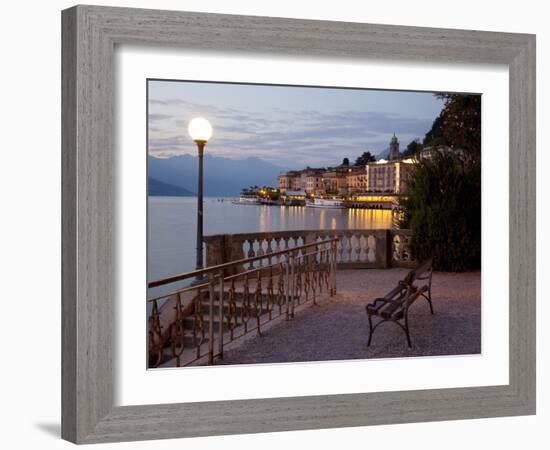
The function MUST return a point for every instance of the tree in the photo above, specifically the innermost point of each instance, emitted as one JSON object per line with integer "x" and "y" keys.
{"x": 458, "y": 126}
{"x": 364, "y": 159}
{"x": 443, "y": 204}
{"x": 461, "y": 123}
{"x": 434, "y": 136}
{"x": 345, "y": 162}
{"x": 443, "y": 209}
{"x": 413, "y": 148}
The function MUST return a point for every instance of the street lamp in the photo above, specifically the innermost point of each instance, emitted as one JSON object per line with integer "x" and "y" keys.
{"x": 200, "y": 131}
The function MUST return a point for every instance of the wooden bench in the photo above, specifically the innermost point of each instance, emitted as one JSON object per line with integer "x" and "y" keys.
{"x": 394, "y": 306}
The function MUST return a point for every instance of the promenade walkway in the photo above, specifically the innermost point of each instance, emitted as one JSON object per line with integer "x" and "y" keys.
{"x": 336, "y": 329}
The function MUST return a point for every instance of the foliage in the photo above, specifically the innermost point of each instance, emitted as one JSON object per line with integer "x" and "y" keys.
{"x": 364, "y": 159}
{"x": 345, "y": 162}
{"x": 413, "y": 148}
{"x": 458, "y": 126}
{"x": 434, "y": 136}
{"x": 443, "y": 209}
{"x": 443, "y": 205}
{"x": 461, "y": 124}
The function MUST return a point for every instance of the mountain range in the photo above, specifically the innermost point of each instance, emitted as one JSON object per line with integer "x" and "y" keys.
{"x": 222, "y": 176}
{"x": 177, "y": 175}
{"x": 384, "y": 154}
{"x": 158, "y": 188}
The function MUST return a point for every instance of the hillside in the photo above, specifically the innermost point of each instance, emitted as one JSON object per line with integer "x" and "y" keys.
{"x": 222, "y": 176}
{"x": 158, "y": 188}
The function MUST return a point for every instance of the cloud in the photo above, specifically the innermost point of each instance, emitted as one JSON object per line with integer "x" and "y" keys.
{"x": 158, "y": 117}
{"x": 284, "y": 137}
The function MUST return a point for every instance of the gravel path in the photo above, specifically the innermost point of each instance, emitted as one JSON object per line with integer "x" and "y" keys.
{"x": 337, "y": 328}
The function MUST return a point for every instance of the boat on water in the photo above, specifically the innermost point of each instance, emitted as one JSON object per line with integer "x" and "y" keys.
{"x": 258, "y": 196}
{"x": 247, "y": 198}
{"x": 334, "y": 203}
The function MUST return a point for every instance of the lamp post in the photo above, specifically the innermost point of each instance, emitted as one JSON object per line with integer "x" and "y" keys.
{"x": 200, "y": 131}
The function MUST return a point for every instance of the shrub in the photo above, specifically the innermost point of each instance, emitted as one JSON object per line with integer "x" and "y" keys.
{"x": 443, "y": 209}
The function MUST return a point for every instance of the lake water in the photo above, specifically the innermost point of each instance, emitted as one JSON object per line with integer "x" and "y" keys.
{"x": 172, "y": 226}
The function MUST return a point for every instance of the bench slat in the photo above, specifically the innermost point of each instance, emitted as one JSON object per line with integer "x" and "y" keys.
{"x": 397, "y": 311}
{"x": 395, "y": 304}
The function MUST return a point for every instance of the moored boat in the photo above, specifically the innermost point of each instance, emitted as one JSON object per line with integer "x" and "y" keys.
{"x": 318, "y": 202}
{"x": 248, "y": 198}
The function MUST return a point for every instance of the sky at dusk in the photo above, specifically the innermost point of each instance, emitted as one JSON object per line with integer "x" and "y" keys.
{"x": 291, "y": 127}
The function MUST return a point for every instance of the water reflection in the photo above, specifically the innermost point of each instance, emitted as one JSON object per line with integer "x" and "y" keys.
{"x": 301, "y": 217}
{"x": 369, "y": 218}
{"x": 172, "y": 226}
{"x": 265, "y": 218}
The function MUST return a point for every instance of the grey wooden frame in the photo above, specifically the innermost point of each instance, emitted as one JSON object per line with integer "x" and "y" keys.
{"x": 89, "y": 37}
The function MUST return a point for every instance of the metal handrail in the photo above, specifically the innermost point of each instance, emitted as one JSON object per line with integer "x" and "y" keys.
{"x": 221, "y": 291}
{"x": 207, "y": 270}
{"x": 205, "y": 285}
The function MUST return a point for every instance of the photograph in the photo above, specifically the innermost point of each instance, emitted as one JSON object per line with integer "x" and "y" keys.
{"x": 292, "y": 224}
{"x": 267, "y": 225}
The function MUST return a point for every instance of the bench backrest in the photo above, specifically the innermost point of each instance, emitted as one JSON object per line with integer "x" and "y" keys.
{"x": 419, "y": 271}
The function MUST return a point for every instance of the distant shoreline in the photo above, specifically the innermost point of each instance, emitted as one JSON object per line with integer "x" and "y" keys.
{"x": 194, "y": 196}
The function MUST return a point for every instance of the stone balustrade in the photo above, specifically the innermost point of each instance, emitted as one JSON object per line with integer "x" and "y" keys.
{"x": 356, "y": 248}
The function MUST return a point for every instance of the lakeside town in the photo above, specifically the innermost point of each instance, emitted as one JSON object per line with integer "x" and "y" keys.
{"x": 259, "y": 270}
{"x": 369, "y": 183}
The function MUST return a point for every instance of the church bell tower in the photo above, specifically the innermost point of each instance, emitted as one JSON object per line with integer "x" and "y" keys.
{"x": 394, "y": 148}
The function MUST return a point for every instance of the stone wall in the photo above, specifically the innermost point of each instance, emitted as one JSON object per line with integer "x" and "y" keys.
{"x": 356, "y": 248}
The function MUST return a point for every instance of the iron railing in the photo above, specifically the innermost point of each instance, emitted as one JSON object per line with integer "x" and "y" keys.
{"x": 228, "y": 301}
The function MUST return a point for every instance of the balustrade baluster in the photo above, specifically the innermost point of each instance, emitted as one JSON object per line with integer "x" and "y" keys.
{"x": 363, "y": 249}
{"x": 350, "y": 249}
{"x": 371, "y": 248}
{"x": 355, "y": 248}
{"x": 396, "y": 241}
{"x": 269, "y": 251}
{"x": 277, "y": 249}
{"x": 251, "y": 254}
{"x": 261, "y": 251}
{"x": 340, "y": 251}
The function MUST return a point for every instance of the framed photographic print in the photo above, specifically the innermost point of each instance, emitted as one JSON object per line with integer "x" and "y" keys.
{"x": 277, "y": 224}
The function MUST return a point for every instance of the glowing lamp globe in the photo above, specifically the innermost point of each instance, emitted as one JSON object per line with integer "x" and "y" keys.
{"x": 200, "y": 129}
